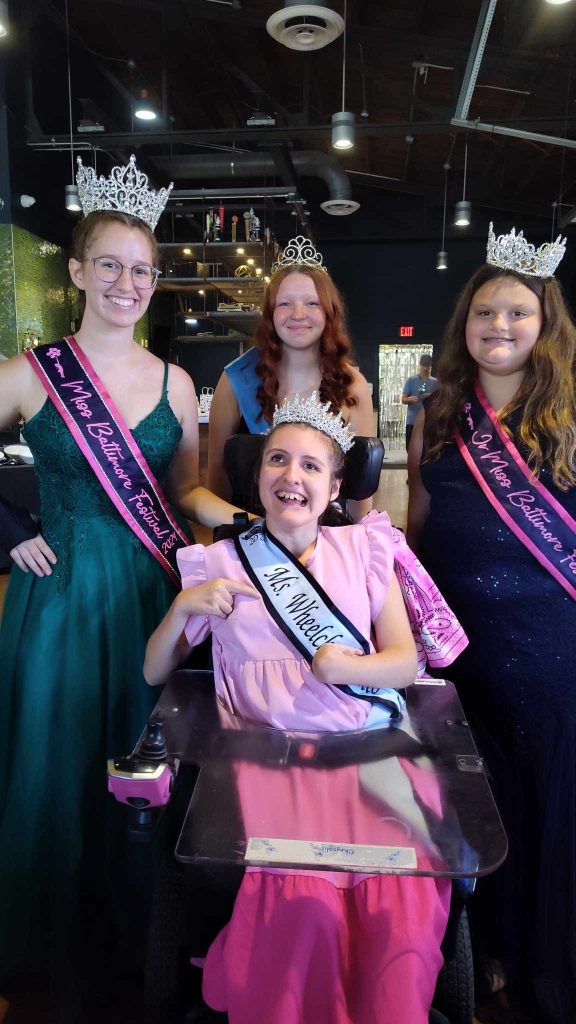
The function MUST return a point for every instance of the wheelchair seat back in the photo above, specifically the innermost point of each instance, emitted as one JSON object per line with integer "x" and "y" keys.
{"x": 361, "y": 469}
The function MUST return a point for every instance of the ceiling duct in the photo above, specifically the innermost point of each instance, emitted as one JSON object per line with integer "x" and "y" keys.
{"x": 305, "y": 26}
{"x": 254, "y": 165}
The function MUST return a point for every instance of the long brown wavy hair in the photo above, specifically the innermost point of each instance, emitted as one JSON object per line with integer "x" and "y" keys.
{"x": 335, "y": 348}
{"x": 547, "y": 395}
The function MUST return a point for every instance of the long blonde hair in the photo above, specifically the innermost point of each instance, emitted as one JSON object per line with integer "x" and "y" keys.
{"x": 547, "y": 395}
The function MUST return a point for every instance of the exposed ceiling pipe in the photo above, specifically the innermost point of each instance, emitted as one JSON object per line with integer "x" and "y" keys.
{"x": 514, "y": 133}
{"x": 250, "y": 165}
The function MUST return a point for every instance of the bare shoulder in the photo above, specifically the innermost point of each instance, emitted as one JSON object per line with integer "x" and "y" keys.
{"x": 360, "y": 386}
{"x": 21, "y": 393}
{"x": 17, "y": 375}
{"x": 16, "y": 368}
{"x": 179, "y": 381}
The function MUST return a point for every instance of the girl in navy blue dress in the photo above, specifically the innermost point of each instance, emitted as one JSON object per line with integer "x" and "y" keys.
{"x": 492, "y": 515}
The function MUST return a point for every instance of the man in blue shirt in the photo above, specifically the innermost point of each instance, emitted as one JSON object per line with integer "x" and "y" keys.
{"x": 413, "y": 392}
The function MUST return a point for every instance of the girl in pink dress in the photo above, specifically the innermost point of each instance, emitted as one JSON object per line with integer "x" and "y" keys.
{"x": 303, "y": 946}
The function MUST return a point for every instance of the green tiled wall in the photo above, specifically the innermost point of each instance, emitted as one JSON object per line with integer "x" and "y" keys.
{"x": 37, "y": 298}
{"x": 8, "y": 344}
{"x": 44, "y": 293}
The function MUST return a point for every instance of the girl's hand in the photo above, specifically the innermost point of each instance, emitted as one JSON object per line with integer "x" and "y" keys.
{"x": 216, "y": 597}
{"x": 331, "y": 663}
{"x": 34, "y": 554}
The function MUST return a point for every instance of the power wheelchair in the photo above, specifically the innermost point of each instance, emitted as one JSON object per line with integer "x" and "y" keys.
{"x": 191, "y": 742}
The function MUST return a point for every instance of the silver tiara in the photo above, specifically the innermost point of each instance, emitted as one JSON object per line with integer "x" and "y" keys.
{"x": 311, "y": 412}
{"x": 299, "y": 252}
{"x": 513, "y": 252}
{"x": 126, "y": 190}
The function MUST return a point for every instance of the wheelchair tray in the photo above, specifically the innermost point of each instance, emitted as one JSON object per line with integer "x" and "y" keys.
{"x": 409, "y": 798}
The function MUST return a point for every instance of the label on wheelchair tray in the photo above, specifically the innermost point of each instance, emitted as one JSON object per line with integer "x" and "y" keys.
{"x": 309, "y": 853}
{"x": 429, "y": 681}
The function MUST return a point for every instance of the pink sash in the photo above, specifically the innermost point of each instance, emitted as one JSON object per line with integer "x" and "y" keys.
{"x": 108, "y": 446}
{"x": 532, "y": 513}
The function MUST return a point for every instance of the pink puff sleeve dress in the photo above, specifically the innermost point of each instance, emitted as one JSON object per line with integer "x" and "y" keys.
{"x": 310, "y": 947}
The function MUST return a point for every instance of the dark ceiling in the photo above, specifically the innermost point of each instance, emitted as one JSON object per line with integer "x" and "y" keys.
{"x": 211, "y": 64}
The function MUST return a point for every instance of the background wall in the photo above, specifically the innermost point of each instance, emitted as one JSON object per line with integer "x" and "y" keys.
{"x": 37, "y": 298}
{"x": 8, "y": 339}
{"x": 388, "y": 284}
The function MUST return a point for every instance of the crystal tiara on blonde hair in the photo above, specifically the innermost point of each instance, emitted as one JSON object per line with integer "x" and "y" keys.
{"x": 299, "y": 252}
{"x": 126, "y": 190}
{"x": 513, "y": 252}
{"x": 311, "y": 412}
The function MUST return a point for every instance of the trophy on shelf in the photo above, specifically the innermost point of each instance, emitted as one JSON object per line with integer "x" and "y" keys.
{"x": 217, "y": 228}
{"x": 205, "y": 401}
{"x": 208, "y": 233}
{"x": 221, "y": 216}
{"x": 254, "y": 227}
{"x": 248, "y": 214}
{"x": 234, "y": 223}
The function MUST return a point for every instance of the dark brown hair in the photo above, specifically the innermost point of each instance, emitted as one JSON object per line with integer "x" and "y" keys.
{"x": 547, "y": 395}
{"x": 335, "y": 348}
{"x": 337, "y": 456}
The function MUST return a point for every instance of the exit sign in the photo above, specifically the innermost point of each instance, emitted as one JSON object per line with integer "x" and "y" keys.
{"x": 406, "y": 332}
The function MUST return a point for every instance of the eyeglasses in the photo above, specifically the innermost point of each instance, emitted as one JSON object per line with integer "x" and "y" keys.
{"x": 109, "y": 270}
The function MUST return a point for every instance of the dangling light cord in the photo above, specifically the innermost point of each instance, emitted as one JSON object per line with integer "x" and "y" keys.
{"x": 69, "y": 88}
{"x": 364, "y": 110}
{"x": 563, "y": 156}
{"x": 445, "y": 200}
{"x": 344, "y": 59}
{"x": 465, "y": 170}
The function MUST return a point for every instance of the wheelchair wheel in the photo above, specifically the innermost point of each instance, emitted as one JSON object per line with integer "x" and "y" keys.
{"x": 169, "y": 976}
{"x": 454, "y": 995}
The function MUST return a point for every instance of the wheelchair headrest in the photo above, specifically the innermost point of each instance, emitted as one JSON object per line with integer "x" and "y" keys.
{"x": 361, "y": 469}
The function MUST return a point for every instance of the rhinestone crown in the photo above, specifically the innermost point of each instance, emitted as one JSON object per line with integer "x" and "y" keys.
{"x": 299, "y": 252}
{"x": 513, "y": 252}
{"x": 126, "y": 190}
{"x": 314, "y": 414}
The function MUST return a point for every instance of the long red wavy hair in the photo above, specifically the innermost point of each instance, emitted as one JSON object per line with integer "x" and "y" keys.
{"x": 335, "y": 347}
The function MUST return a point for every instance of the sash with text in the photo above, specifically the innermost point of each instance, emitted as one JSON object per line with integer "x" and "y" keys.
{"x": 108, "y": 446}
{"x": 533, "y": 514}
{"x": 302, "y": 609}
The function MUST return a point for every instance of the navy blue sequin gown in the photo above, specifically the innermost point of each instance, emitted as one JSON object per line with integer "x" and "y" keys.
{"x": 517, "y": 682}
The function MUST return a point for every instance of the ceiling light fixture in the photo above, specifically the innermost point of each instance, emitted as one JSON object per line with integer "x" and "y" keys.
{"x": 144, "y": 109}
{"x": 4, "y": 25}
{"x": 463, "y": 209}
{"x": 71, "y": 196}
{"x": 442, "y": 256}
{"x": 557, "y": 3}
{"x": 343, "y": 133}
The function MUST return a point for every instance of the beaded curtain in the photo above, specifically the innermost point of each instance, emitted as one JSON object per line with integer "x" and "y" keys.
{"x": 396, "y": 364}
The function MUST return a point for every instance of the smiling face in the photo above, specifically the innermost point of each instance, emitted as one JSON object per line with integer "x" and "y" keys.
{"x": 121, "y": 303}
{"x": 297, "y": 480}
{"x": 299, "y": 319}
{"x": 503, "y": 326}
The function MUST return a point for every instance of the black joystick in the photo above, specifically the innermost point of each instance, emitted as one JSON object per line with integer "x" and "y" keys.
{"x": 153, "y": 746}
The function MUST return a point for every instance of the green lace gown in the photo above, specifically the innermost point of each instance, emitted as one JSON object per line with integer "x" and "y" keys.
{"x": 72, "y": 694}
